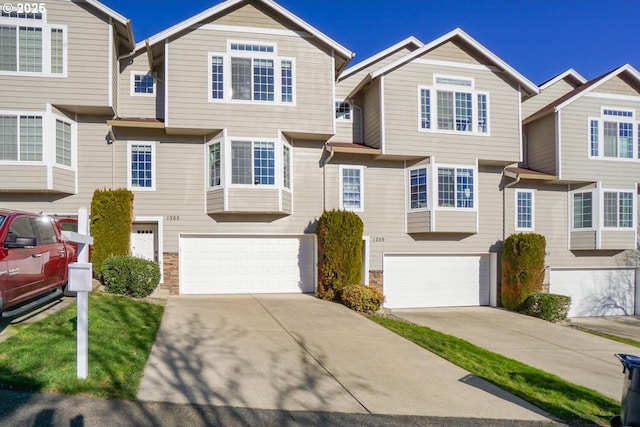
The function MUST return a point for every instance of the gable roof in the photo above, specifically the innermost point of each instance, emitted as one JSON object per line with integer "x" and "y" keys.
{"x": 121, "y": 24}
{"x": 578, "y": 92}
{"x": 571, "y": 74}
{"x": 228, "y": 5}
{"x": 408, "y": 42}
{"x": 527, "y": 85}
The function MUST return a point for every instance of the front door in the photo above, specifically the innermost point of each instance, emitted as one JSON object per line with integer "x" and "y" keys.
{"x": 143, "y": 242}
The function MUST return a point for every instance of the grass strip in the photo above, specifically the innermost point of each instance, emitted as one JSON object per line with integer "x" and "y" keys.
{"x": 42, "y": 357}
{"x": 569, "y": 402}
{"x": 608, "y": 336}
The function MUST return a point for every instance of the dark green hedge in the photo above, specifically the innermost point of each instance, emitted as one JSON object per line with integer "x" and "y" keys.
{"x": 550, "y": 307}
{"x": 522, "y": 265}
{"x": 111, "y": 217}
{"x": 127, "y": 275}
{"x": 339, "y": 252}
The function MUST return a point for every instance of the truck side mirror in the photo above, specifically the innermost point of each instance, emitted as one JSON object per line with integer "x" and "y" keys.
{"x": 20, "y": 243}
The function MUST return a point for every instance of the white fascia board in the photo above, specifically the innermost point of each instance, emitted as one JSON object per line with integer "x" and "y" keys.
{"x": 372, "y": 59}
{"x": 229, "y": 4}
{"x": 570, "y": 72}
{"x": 526, "y": 83}
{"x": 108, "y": 11}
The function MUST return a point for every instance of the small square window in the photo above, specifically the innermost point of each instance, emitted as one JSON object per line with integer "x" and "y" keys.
{"x": 343, "y": 110}
{"x": 143, "y": 84}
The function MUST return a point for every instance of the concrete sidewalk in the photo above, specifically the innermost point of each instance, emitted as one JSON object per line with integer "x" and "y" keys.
{"x": 298, "y": 353}
{"x": 573, "y": 355}
{"x": 620, "y": 326}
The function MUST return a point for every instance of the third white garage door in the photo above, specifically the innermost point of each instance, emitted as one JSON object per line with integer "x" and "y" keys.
{"x": 247, "y": 264}
{"x": 421, "y": 280}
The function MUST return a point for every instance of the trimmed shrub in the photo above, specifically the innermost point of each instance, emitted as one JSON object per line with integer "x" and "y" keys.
{"x": 361, "y": 298}
{"x": 339, "y": 252}
{"x": 522, "y": 265}
{"x": 550, "y": 307}
{"x": 111, "y": 217}
{"x": 127, "y": 275}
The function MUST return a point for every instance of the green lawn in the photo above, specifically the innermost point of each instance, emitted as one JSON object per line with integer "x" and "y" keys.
{"x": 42, "y": 357}
{"x": 610, "y": 337}
{"x": 569, "y": 402}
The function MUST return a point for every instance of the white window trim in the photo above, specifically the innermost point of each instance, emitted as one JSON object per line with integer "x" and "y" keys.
{"x": 207, "y": 166}
{"x": 594, "y": 210}
{"x": 434, "y": 109}
{"x": 227, "y": 83}
{"x": 409, "y": 170}
{"x": 533, "y": 210}
{"x": 133, "y": 92}
{"x": 46, "y": 46}
{"x": 616, "y": 119}
{"x": 633, "y": 209}
{"x": 436, "y": 195}
{"x": 74, "y": 143}
{"x": 153, "y": 166}
{"x": 252, "y": 54}
{"x": 342, "y": 119}
{"x": 284, "y": 187}
{"x": 361, "y": 169}
{"x": 453, "y": 87}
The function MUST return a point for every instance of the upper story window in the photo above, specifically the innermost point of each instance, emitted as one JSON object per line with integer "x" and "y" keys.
{"x": 452, "y": 105}
{"x": 417, "y": 188}
{"x": 142, "y": 166}
{"x": 251, "y": 72}
{"x": 343, "y": 110}
{"x": 583, "y": 210}
{"x": 524, "y": 210}
{"x": 143, "y": 84}
{"x": 28, "y": 45}
{"x": 23, "y": 139}
{"x": 611, "y": 136}
{"x": 351, "y": 188}
{"x": 456, "y": 187}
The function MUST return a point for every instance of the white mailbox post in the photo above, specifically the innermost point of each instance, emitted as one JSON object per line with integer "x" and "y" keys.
{"x": 80, "y": 282}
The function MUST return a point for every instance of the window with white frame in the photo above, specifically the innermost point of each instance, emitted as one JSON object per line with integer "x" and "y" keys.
{"x": 417, "y": 188}
{"x": 63, "y": 143}
{"x": 618, "y": 209}
{"x": 251, "y": 72}
{"x": 28, "y": 45}
{"x": 253, "y": 162}
{"x": 456, "y": 187}
{"x": 286, "y": 166}
{"x": 583, "y": 210}
{"x": 611, "y": 136}
{"x": 452, "y": 105}
{"x": 141, "y": 170}
{"x": 351, "y": 188}
{"x": 343, "y": 110}
{"x": 142, "y": 84}
{"x": 214, "y": 164}
{"x": 524, "y": 210}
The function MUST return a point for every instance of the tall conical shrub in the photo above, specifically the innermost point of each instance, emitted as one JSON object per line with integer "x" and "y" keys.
{"x": 522, "y": 265}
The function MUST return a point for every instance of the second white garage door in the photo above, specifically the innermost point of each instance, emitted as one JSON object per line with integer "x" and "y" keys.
{"x": 242, "y": 264}
{"x": 420, "y": 280}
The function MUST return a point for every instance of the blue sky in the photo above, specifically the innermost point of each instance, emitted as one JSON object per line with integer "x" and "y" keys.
{"x": 540, "y": 38}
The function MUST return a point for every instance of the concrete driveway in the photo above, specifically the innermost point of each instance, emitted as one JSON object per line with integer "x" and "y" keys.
{"x": 574, "y": 355}
{"x": 298, "y": 353}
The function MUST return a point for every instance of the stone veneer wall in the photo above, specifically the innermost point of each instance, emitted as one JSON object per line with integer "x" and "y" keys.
{"x": 171, "y": 273}
{"x": 376, "y": 280}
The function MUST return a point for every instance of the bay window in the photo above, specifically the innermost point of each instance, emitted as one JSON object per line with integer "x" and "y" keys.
{"x": 456, "y": 187}
{"x": 417, "y": 188}
{"x": 582, "y": 210}
{"x": 618, "y": 209}
{"x": 611, "y": 136}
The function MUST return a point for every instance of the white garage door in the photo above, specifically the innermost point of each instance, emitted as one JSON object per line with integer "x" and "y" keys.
{"x": 436, "y": 280}
{"x": 596, "y": 292}
{"x": 241, "y": 264}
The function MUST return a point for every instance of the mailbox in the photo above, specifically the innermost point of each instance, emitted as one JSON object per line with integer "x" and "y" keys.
{"x": 80, "y": 277}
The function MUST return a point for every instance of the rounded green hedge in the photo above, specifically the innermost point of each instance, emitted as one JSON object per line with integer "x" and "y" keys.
{"x": 127, "y": 275}
{"x": 361, "y": 298}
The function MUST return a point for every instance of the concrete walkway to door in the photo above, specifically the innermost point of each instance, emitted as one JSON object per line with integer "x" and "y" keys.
{"x": 298, "y": 353}
{"x": 573, "y": 355}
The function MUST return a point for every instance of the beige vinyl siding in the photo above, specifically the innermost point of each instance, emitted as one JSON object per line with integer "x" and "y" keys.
{"x": 137, "y": 106}
{"x": 418, "y": 222}
{"x": 287, "y": 201}
{"x": 617, "y": 239}
{"x": 452, "y": 51}
{"x": 546, "y": 97}
{"x": 88, "y": 65}
{"x": 344, "y": 131}
{"x": 252, "y": 200}
{"x": 24, "y": 178}
{"x": 64, "y": 180}
{"x": 616, "y": 86}
{"x": 455, "y": 221}
{"x": 250, "y": 16}
{"x": 115, "y": 74}
{"x": 215, "y": 201}
{"x": 540, "y": 137}
{"x": 401, "y": 106}
{"x": 189, "y": 69}
{"x": 371, "y": 111}
{"x": 576, "y": 165}
{"x": 583, "y": 240}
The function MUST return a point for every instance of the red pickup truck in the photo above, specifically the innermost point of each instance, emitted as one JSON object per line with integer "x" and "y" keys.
{"x": 34, "y": 261}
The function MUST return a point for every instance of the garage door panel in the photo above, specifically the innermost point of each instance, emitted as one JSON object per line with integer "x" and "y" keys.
{"x": 220, "y": 265}
{"x": 596, "y": 292}
{"x": 436, "y": 280}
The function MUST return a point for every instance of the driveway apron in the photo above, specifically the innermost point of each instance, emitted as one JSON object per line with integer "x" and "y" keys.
{"x": 298, "y": 353}
{"x": 573, "y": 355}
